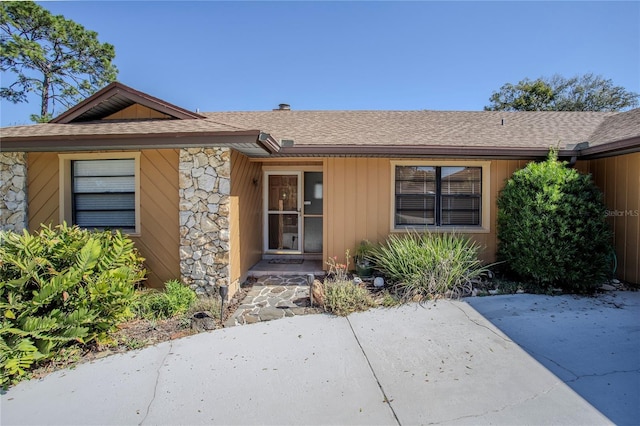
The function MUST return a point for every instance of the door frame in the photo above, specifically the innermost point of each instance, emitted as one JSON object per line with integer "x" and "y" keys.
{"x": 266, "y": 211}
{"x": 268, "y": 170}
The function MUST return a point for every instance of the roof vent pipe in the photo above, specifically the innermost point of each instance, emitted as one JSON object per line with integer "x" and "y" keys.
{"x": 283, "y": 107}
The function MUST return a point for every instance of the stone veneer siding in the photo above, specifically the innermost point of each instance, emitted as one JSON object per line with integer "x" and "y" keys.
{"x": 13, "y": 188}
{"x": 204, "y": 218}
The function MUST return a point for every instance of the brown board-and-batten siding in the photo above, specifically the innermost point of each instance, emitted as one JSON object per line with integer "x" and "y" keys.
{"x": 501, "y": 171}
{"x": 245, "y": 217}
{"x": 619, "y": 179}
{"x": 359, "y": 192}
{"x": 137, "y": 112}
{"x": 357, "y": 203}
{"x": 159, "y": 240}
{"x": 159, "y": 237}
{"x": 43, "y": 180}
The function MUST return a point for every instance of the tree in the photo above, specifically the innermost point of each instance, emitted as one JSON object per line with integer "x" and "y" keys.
{"x": 580, "y": 93}
{"x": 51, "y": 56}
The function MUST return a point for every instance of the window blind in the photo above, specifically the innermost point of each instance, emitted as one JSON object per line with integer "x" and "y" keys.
{"x": 103, "y": 193}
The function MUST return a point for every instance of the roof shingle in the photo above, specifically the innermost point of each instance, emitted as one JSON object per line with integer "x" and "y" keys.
{"x": 376, "y": 129}
{"x": 419, "y": 128}
{"x": 621, "y": 126}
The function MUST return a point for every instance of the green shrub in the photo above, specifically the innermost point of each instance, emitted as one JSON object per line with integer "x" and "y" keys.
{"x": 427, "y": 265}
{"x": 343, "y": 297}
{"x": 61, "y": 286}
{"x": 176, "y": 299}
{"x": 551, "y": 227}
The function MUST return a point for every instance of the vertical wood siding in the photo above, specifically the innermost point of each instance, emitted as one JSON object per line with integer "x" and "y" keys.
{"x": 42, "y": 189}
{"x": 619, "y": 179}
{"x": 357, "y": 203}
{"x": 136, "y": 112}
{"x": 501, "y": 171}
{"x": 159, "y": 234}
{"x": 245, "y": 217}
{"x": 359, "y": 195}
{"x": 159, "y": 240}
{"x": 358, "y": 192}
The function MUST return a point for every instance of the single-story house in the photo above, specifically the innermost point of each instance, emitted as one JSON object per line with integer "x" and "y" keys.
{"x": 206, "y": 196}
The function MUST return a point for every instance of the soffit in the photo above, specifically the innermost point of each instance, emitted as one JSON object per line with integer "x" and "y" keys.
{"x": 116, "y": 97}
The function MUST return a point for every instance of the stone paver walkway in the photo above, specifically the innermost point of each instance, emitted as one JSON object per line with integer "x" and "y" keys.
{"x": 273, "y": 297}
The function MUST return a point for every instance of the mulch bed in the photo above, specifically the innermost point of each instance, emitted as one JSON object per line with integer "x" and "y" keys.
{"x": 137, "y": 334}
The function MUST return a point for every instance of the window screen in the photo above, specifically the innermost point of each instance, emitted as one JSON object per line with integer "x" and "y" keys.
{"x": 104, "y": 194}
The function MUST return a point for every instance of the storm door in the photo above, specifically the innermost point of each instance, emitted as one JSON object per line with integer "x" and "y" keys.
{"x": 293, "y": 212}
{"x": 283, "y": 224}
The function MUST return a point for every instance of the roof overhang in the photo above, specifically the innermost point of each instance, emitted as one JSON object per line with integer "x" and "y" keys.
{"x": 252, "y": 142}
{"x": 625, "y": 146}
{"x": 418, "y": 151}
{"x": 115, "y": 97}
{"x": 255, "y": 143}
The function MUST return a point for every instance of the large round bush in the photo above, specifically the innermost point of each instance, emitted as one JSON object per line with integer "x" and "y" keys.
{"x": 552, "y": 229}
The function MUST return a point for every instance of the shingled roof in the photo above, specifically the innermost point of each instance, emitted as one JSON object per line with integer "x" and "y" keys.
{"x": 377, "y": 129}
{"x": 309, "y": 133}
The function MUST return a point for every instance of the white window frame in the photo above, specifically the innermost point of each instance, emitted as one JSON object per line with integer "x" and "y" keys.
{"x": 485, "y": 214}
{"x": 65, "y": 190}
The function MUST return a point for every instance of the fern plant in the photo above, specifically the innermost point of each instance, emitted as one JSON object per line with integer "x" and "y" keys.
{"x": 61, "y": 286}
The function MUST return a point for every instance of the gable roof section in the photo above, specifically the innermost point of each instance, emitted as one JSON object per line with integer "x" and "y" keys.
{"x": 90, "y": 126}
{"x": 116, "y": 97}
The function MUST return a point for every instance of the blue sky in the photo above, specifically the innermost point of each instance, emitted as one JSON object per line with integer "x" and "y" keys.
{"x": 233, "y": 56}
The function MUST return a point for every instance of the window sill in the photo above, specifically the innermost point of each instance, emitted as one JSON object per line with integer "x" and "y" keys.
{"x": 443, "y": 229}
{"x": 135, "y": 234}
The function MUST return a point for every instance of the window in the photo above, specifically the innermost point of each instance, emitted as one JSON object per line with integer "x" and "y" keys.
{"x": 104, "y": 193}
{"x": 100, "y": 191}
{"x": 438, "y": 196}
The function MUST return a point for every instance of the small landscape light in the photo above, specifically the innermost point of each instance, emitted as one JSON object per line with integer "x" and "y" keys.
{"x": 224, "y": 292}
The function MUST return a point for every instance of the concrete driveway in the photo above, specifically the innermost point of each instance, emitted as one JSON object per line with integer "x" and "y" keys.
{"x": 592, "y": 344}
{"x": 440, "y": 363}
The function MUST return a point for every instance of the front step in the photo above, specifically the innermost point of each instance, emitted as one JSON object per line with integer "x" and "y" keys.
{"x": 307, "y": 266}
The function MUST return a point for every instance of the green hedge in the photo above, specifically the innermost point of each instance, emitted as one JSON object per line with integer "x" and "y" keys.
{"x": 551, "y": 228}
